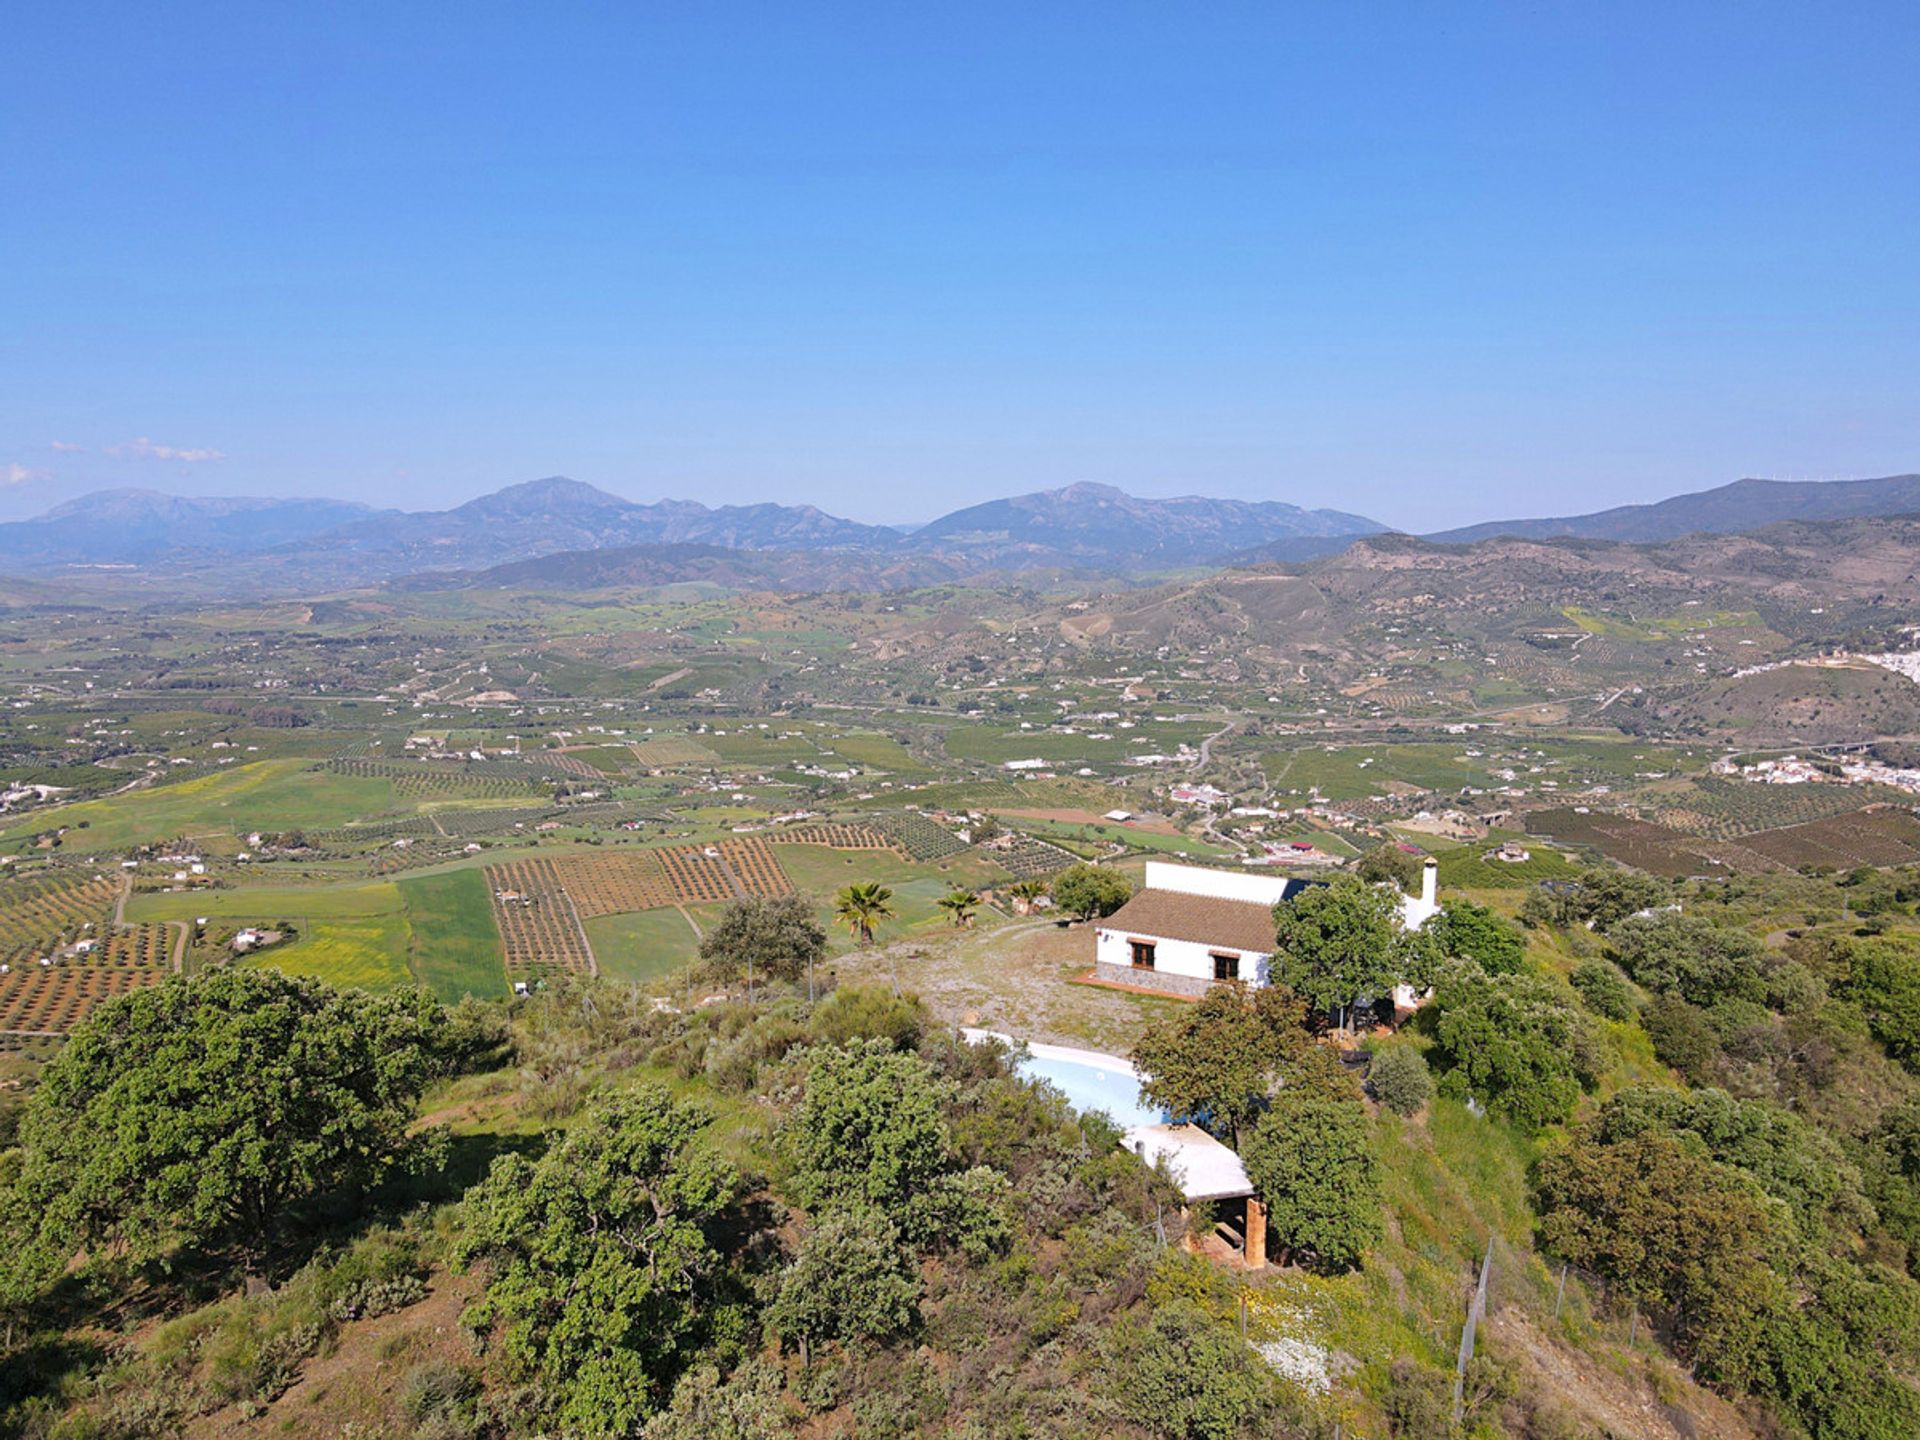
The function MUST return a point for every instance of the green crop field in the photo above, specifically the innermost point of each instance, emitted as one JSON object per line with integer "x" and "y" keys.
{"x": 1463, "y": 867}
{"x": 645, "y": 947}
{"x": 1131, "y": 837}
{"x": 453, "y": 947}
{"x": 266, "y": 795}
{"x": 368, "y": 952}
{"x": 270, "y": 902}
{"x": 874, "y": 752}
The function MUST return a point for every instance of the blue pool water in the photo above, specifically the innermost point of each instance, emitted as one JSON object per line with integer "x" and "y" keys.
{"x": 1094, "y": 1087}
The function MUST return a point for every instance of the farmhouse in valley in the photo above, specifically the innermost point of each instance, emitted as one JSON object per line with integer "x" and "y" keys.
{"x": 1190, "y": 928}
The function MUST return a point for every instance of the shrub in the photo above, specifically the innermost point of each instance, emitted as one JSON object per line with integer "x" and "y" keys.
{"x": 1400, "y": 1080}
{"x": 1183, "y": 1374}
{"x": 1418, "y": 1402}
{"x": 868, "y": 1012}
{"x": 1604, "y": 989}
{"x": 435, "y": 1387}
{"x": 852, "y": 1280}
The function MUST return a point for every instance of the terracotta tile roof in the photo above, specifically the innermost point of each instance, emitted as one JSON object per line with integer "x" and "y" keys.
{"x": 1169, "y": 915}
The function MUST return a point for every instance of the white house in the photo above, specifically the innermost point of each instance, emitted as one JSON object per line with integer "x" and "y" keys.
{"x": 1189, "y": 928}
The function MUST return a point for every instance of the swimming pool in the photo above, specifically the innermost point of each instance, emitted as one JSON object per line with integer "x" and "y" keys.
{"x": 1089, "y": 1080}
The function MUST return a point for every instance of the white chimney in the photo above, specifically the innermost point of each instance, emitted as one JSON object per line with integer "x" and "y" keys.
{"x": 1430, "y": 885}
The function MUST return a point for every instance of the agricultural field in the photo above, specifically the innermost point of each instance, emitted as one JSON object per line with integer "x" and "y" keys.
{"x": 1722, "y": 808}
{"x": 839, "y": 837}
{"x": 662, "y": 751}
{"x": 43, "y": 911}
{"x": 651, "y": 946}
{"x": 453, "y": 947}
{"x": 537, "y": 921}
{"x": 1643, "y": 845}
{"x": 368, "y": 952}
{"x": 1882, "y": 835}
{"x": 268, "y": 795}
{"x": 920, "y": 837}
{"x": 42, "y": 1000}
{"x": 1030, "y": 858}
{"x": 434, "y": 780}
{"x": 1465, "y": 867}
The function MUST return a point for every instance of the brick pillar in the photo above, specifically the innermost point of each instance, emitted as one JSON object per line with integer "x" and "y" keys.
{"x": 1256, "y": 1256}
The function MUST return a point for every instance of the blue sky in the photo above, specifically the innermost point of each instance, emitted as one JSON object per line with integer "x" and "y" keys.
{"x": 1430, "y": 262}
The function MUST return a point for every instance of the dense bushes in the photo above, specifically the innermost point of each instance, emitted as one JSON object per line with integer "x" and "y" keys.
{"x": 1518, "y": 1043}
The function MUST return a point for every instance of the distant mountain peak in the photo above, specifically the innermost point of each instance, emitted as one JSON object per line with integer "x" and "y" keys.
{"x": 555, "y": 492}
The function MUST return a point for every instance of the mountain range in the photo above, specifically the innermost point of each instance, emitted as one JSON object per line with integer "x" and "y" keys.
{"x": 564, "y": 532}
{"x": 1727, "y": 510}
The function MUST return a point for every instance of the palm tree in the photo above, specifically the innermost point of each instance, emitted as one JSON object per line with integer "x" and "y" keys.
{"x": 1025, "y": 893}
{"x": 959, "y": 904}
{"x": 862, "y": 906}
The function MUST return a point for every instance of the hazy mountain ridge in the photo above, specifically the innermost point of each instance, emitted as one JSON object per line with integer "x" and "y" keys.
{"x": 639, "y": 567}
{"x": 1727, "y": 509}
{"x": 1090, "y": 521}
{"x": 315, "y": 544}
{"x": 141, "y": 526}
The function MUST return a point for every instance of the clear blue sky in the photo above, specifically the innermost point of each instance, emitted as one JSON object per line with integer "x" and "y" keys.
{"x": 1431, "y": 262}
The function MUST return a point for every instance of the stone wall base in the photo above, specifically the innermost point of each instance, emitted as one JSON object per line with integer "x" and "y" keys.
{"x": 1187, "y": 985}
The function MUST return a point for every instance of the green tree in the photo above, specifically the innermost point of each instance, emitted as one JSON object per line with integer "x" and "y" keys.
{"x": 1340, "y": 942}
{"x": 199, "y": 1111}
{"x": 1666, "y": 1226}
{"x": 600, "y": 1266}
{"x": 1213, "y": 1062}
{"x": 1310, "y": 1159}
{"x": 1515, "y": 1041}
{"x": 959, "y": 903}
{"x": 851, "y": 1280}
{"x": 1089, "y": 892}
{"x": 778, "y": 939}
{"x": 1892, "y": 1166}
{"x": 1466, "y": 931}
{"x": 1400, "y": 1079}
{"x": 1883, "y": 979}
{"x": 863, "y": 906}
{"x": 1793, "y": 1161}
{"x": 1602, "y": 897}
{"x": 1604, "y": 988}
{"x": 1688, "y": 955}
{"x": 1390, "y": 865}
{"x": 871, "y": 1131}
{"x": 1682, "y": 1038}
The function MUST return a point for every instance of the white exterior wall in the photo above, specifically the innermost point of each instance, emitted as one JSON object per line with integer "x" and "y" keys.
{"x": 1218, "y": 884}
{"x": 1186, "y": 958}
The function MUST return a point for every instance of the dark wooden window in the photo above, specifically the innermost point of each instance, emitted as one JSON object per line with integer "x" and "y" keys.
{"x": 1142, "y": 954}
{"x": 1225, "y": 966}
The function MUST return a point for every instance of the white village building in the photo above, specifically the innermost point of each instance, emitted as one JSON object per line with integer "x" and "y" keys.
{"x": 1190, "y": 928}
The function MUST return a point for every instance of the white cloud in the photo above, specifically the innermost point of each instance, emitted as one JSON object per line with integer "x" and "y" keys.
{"x": 66, "y": 447}
{"x": 18, "y": 474}
{"x": 145, "y": 449}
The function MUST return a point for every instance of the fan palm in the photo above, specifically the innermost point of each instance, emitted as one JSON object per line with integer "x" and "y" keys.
{"x": 862, "y": 906}
{"x": 959, "y": 904}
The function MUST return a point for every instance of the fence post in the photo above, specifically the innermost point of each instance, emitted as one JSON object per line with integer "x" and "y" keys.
{"x": 1560, "y": 1293}
{"x": 1474, "y": 1313}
